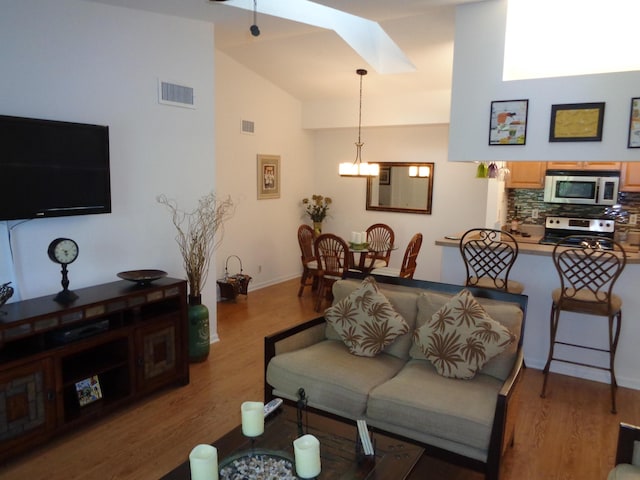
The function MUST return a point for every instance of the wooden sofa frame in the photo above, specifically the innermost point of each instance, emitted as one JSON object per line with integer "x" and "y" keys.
{"x": 502, "y": 432}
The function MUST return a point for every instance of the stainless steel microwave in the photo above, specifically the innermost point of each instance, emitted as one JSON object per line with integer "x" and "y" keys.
{"x": 582, "y": 187}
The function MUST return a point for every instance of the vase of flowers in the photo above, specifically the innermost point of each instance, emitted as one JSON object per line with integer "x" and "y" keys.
{"x": 317, "y": 209}
{"x": 200, "y": 232}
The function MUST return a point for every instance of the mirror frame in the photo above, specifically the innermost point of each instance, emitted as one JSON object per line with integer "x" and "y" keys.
{"x": 423, "y": 211}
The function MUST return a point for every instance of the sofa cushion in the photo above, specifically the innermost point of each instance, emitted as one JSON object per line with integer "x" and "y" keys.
{"x": 365, "y": 320}
{"x": 624, "y": 471}
{"x": 461, "y": 337}
{"x": 421, "y": 400}
{"x": 333, "y": 379}
{"x": 404, "y": 301}
{"x": 508, "y": 314}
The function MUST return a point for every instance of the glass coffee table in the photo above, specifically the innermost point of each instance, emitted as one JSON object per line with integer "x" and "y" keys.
{"x": 394, "y": 459}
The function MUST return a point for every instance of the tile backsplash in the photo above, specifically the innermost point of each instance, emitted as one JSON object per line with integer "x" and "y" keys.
{"x": 527, "y": 200}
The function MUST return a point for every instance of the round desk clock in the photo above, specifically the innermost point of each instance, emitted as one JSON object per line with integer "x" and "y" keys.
{"x": 64, "y": 251}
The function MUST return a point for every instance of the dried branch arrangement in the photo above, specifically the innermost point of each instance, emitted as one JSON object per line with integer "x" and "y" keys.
{"x": 200, "y": 232}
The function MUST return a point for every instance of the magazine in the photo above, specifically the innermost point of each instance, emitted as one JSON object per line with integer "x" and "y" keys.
{"x": 88, "y": 390}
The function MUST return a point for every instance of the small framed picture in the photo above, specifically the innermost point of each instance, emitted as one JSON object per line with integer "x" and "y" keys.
{"x": 385, "y": 176}
{"x": 576, "y": 122}
{"x": 88, "y": 390}
{"x": 508, "y": 122}
{"x": 268, "y": 176}
{"x": 634, "y": 124}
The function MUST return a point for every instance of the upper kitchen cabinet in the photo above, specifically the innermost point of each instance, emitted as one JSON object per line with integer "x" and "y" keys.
{"x": 526, "y": 174}
{"x": 630, "y": 177}
{"x": 583, "y": 165}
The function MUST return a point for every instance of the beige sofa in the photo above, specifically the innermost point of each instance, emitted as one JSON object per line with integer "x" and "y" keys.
{"x": 467, "y": 422}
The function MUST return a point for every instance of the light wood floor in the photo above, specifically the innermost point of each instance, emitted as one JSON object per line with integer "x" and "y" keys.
{"x": 568, "y": 435}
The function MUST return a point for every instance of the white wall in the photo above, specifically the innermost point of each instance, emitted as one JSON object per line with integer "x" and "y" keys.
{"x": 88, "y": 62}
{"x": 459, "y": 199}
{"x": 477, "y": 80}
{"x": 263, "y": 232}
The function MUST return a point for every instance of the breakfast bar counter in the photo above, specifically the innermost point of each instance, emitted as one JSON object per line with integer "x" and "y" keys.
{"x": 534, "y": 268}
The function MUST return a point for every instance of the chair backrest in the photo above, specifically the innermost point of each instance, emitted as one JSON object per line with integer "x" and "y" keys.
{"x": 305, "y": 240}
{"x": 380, "y": 238}
{"x": 488, "y": 254}
{"x": 409, "y": 262}
{"x": 587, "y": 272}
{"x": 333, "y": 254}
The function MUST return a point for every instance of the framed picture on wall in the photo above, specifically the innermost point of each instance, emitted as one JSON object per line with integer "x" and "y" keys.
{"x": 508, "y": 122}
{"x": 634, "y": 124}
{"x": 268, "y": 176}
{"x": 385, "y": 176}
{"x": 576, "y": 122}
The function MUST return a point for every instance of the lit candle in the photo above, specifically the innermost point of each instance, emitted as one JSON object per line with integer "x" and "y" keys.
{"x": 203, "y": 461}
{"x": 252, "y": 418}
{"x": 306, "y": 450}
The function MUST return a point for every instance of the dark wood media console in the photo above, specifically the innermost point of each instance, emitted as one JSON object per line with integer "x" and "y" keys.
{"x": 133, "y": 338}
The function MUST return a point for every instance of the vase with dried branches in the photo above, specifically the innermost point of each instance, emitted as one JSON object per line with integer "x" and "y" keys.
{"x": 199, "y": 233}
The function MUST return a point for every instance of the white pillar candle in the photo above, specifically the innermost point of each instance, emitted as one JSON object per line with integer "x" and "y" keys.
{"x": 306, "y": 450}
{"x": 203, "y": 461}
{"x": 354, "y": 237}
{"x": 252, "y": 418}
{"x": 363, "y": 236}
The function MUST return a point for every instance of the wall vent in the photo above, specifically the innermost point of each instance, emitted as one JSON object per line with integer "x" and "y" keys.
{"x": 176, "y": 95}
{"x": 247, "y": 126}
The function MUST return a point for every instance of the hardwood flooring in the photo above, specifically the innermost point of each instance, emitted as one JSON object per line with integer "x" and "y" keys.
{"x": 568, "y": 435}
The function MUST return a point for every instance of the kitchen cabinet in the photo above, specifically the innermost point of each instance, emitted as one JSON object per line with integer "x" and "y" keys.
{"x": 583, "y": 165}
{"x": 630, "y": 177}
{"x": 128, "y": 339}
{"x": 526, "y": 174}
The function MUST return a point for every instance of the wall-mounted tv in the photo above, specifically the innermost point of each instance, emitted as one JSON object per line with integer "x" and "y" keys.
{"x": 53, "y": 168}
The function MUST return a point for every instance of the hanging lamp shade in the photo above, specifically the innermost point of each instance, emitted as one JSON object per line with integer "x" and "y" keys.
{"x": 358, "y": 168}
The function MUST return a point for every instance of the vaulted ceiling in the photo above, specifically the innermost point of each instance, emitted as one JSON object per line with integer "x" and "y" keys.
{"x": 315, "y": 64}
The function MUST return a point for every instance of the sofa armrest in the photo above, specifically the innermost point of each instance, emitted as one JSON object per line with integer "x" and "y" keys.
{"x": 293, "y": 338}
{"x": 504, "y": 420}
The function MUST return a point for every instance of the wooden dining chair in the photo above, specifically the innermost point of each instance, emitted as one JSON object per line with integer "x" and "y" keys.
{"x": 488, "y": 256}
{"x": 409, "y": 261}
{"x": 380, "y": 238}
{"x": 587, "y": 277}
{"x": 308, "y": 258}
{"x": 333, "y": 261}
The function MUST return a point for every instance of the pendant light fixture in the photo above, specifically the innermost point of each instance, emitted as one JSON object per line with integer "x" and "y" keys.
{"x": 358, "y": 168}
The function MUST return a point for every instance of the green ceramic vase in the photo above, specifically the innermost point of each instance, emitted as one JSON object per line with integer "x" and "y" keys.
{"x": 198, "y": 329}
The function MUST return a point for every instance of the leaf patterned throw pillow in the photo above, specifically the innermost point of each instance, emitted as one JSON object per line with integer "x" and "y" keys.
{"x": 365, "y": 320}
{"x": 461, "y": 337}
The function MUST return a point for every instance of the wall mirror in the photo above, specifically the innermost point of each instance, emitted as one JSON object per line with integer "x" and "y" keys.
{"x": 401, "y": 187}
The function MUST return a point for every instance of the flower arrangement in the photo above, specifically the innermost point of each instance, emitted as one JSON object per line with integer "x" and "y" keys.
{"x": 199, "y": 233}
{"x": 317, "y": 207}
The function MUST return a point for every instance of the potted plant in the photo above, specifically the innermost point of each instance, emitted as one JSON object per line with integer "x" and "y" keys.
{"x": 199, "y": 233}
{"x": 317, "y": 209}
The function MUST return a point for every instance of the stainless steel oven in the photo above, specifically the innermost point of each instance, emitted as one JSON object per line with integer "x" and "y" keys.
{"x": 581, "y": 187}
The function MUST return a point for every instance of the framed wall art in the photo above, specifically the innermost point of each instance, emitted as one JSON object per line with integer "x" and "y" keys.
{"x": 508, "y": 122}
{"x": 634, "y": 124}
{"x": 268, "y": 176}
{"x": 576, "y": 122}
{"x": 385, "y": 176}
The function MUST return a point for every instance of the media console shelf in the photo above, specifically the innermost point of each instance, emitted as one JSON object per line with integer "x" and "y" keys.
{"x": 120, "y": 340}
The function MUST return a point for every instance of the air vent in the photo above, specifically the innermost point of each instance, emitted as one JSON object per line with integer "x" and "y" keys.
{"x": 248, "y": 127}
{"x": 176, "y": 95}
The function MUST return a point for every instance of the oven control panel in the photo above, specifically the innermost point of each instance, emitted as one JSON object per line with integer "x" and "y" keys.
{"x": 580, "y": 225}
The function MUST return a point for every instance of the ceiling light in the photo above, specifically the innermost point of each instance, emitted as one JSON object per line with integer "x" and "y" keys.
{"x": 359, "y": 168}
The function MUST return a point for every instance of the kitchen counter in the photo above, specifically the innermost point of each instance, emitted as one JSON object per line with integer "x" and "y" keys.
{"x": 530, "y": 245}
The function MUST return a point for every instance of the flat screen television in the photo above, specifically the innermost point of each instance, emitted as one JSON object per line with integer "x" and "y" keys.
{"x": 53, "y": 168}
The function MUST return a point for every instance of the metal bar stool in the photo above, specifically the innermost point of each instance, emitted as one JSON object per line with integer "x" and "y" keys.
{"x": 587, "y": 276}
{"x": 488, "y": 256}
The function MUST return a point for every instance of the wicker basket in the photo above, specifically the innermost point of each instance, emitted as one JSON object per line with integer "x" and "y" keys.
{"x": 232, "y": 285}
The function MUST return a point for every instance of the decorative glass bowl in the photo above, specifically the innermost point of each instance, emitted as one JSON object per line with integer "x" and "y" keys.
{"x": 257, "y": 465}
{"x": 358, "y": 246}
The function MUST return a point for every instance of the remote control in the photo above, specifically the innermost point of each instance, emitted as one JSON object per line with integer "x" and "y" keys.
{"x": 272, "y": 406}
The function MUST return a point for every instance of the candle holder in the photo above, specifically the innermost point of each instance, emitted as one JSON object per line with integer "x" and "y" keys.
{"x": 301, "y": 406}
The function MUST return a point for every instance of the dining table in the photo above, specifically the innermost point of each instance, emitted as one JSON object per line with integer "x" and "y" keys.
{"x": 365, "y": 262}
